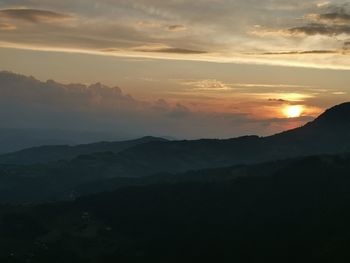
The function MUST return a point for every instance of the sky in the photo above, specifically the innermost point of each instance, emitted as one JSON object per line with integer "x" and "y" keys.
{"x": 187, "y": 69}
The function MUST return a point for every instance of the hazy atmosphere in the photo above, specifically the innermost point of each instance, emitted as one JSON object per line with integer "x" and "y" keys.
{"x": 230, "y": 68}
{"x": 174, "y": 131}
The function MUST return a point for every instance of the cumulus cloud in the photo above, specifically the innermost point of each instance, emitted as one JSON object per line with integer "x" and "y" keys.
{"x": 29, "y": 102}
{"x": 26, "y": 102}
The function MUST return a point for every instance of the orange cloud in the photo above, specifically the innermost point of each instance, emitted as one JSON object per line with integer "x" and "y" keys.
{"x": 7, "y": 27}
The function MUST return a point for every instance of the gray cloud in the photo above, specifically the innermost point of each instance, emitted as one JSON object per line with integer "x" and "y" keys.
{"x": 159, "y": 50}
{"x": 305, "y": 52}
{"x": 222, "y": 28}
{"x": 279, "y": 100}
{"x": 28, "y": 103}
{"x": 33, "y": 15}
{"x": 173, "y": 51}
{"x": 334, "y": 22}
{"x": 320, "y": 29}
{"x": 346, "y": 45}
{"x": 176, "y": 28}
{"x": 335, "y": 17}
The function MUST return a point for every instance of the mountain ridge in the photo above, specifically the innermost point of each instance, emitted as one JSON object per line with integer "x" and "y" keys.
{"x": 172, "y": 157}
{"x": 332, "y": 120}
{"x": 51, "y": 153}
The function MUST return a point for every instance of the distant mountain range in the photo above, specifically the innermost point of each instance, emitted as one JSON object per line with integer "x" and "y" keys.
{"x": 52, "y": 153}
{"x": 329, "y": 133}
{"x": 283, "y": 198}
{"x": 64, "y": 172}
{"x": 12, "y": 140}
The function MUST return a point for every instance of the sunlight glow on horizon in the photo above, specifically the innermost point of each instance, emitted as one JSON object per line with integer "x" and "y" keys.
{"x": 293, "y": 111}
{"x": 241, "y": 67}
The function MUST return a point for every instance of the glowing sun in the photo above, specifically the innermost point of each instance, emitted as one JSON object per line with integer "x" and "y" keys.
{"x": 293, "y": 111}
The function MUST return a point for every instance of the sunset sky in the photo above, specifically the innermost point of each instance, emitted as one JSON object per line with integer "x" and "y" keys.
{"x": 204, "y": 68}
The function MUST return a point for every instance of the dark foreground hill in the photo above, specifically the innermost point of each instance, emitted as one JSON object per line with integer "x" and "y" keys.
{"x": 289, "y": 211}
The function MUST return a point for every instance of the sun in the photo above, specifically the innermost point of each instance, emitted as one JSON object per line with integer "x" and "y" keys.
{"x": 293, "y": 111}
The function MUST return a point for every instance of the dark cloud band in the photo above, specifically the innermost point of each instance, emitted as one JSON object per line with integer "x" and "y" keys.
{"x": 341, "y": 17}
{"x": 321, "y": 29}
{"x": 304, "y": 52}
{"x": 173, "y": 51}
{"x": 32, "y": 15}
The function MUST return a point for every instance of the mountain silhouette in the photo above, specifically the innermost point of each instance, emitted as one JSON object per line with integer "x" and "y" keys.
{"x": 338, "y": 116}
{"x": 108, "y": 164}
{"x": 333, "y": 119}
{"x": 51, "y": 153}
{"x": 328, "y": 133}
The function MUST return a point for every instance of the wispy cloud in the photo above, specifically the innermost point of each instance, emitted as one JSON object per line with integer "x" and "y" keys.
{"x": 320, "y": 29}
{"x": 173, "y": 50}
{"x": 341, "y": 17}
{"x": 220, "y": 30}
{"x": 6, "y": 26}
{"x": 207, "y": 85}
{"x": 261, "y": 85}
{"x": 176, "y": 28}
{"x": 307, "y": 52}
{"x": 217, "y": 85}
{"x": 33, "y": 15}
